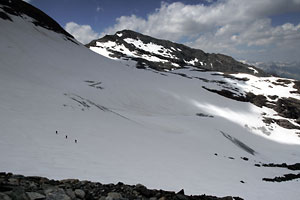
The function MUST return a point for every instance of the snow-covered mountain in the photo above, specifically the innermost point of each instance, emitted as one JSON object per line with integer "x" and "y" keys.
{"x": 246, "y": 82}
{"x": 205, "y": 131}
{"x": 164, "y": 55}
{"x": 282, "y": 69}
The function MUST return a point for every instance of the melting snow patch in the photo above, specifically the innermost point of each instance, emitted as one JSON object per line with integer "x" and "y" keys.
{"x": 150, "y": 47}
{"x": 192, "y": 62}
{"x": 254, "y": 70}
{"x": 106, "y": 44}
{"x": 264, "y": 86}
{"x": 175, "y": 64}
{"x": 102, "y": 51}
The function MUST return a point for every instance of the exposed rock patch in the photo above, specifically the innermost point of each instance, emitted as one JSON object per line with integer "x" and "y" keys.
{"x": 204, "y": 115}
{"x": 297, "y": 86}
{"x": 288, "y": 108}
{"x": 295, "y": 166}
{"x": 285, "y": 177}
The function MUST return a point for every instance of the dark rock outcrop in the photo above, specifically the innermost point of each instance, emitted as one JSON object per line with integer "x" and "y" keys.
{"x": 293, "y": 167}
{"x": 285, "y": 177}
{"x": 21, "y": 8}
{"x": 288, "y": 108}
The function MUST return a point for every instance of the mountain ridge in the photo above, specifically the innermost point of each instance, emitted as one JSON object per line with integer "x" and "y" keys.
{"x": 21, "y": 8}
{"x": 173, "y": 55}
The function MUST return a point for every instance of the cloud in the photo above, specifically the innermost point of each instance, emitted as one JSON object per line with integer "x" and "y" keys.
{"x": 28, "y": 1}
{"x": 83, "y": 33}
{"x": 234, "y": 27}
{"x": 98, "y": 9}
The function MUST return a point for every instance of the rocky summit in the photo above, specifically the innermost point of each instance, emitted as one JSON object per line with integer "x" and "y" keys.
{"x": 164, "y": 55}
{"x": 18, "y": 187}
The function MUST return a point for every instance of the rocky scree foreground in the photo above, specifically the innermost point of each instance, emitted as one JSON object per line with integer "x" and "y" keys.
{"x": 18, "y": 187}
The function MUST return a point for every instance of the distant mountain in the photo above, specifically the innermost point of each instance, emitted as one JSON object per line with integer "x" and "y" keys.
{"x": 282, "y": 69}
{"x": 68, "y": 112}
{"x": 165, "y": 55}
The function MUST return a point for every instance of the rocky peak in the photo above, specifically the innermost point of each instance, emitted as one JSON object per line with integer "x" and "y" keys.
{"x": 164, "y": 55}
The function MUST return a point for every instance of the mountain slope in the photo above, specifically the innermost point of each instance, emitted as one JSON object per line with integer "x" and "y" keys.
{"x": 162, "y": 129}
{"x": 164, "y": 55}
{"x": 239, "y": 81}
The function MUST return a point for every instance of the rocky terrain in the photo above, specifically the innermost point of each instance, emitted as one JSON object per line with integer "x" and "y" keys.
{"x": 39, "y": 18}
{"x": 169, "y": 57}
{"x": 18, "y": 187}
{"x": 163, "y": 55}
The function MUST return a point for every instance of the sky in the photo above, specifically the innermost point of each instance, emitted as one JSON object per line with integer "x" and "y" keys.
{"x": 255, "y": 31}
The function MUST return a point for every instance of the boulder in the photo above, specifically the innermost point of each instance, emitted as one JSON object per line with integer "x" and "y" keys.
{"x": 4, "y": 196}
{"x": 35, "y": 196}
{"x": 113, "y": 196}
{"x": 70, "y": 193}
{"x": 79, "y": 193}
{"x": 56, "y": 194}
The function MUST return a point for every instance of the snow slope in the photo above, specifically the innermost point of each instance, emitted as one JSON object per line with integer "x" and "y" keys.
{"x": 132, "y": 125}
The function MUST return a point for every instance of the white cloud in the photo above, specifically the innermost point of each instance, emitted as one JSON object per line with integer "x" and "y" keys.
{"x": 234, "y": 27}
{"x": 83, "y": 33}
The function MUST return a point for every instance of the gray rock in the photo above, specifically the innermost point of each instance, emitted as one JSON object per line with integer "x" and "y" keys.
{"x": 153, "y": 198}
{"x": 102, "y": 198}
{"x": 32, "y": 186}
{"x": 182, "y": 197}
{"x": 18, "y": 194}
{"x": 35, "y": 196}
{"x": 13, "y": 181}
{"x": 113, "y": 196}
{"x": 49, "y": 189}
{"x": 70, "y": 193}
{"x": 79, "y": 193}
{"x": 227, "y": 198}
{"x": 56, "y": 194}
{"x": 4, "y": 196}
{"x": 143, "y": 190}
{"x": 17, "y": 176}
{"x": 70, "y": 181}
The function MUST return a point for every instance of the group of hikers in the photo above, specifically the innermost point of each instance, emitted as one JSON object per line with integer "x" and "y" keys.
{"x": 66, "y": 136}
